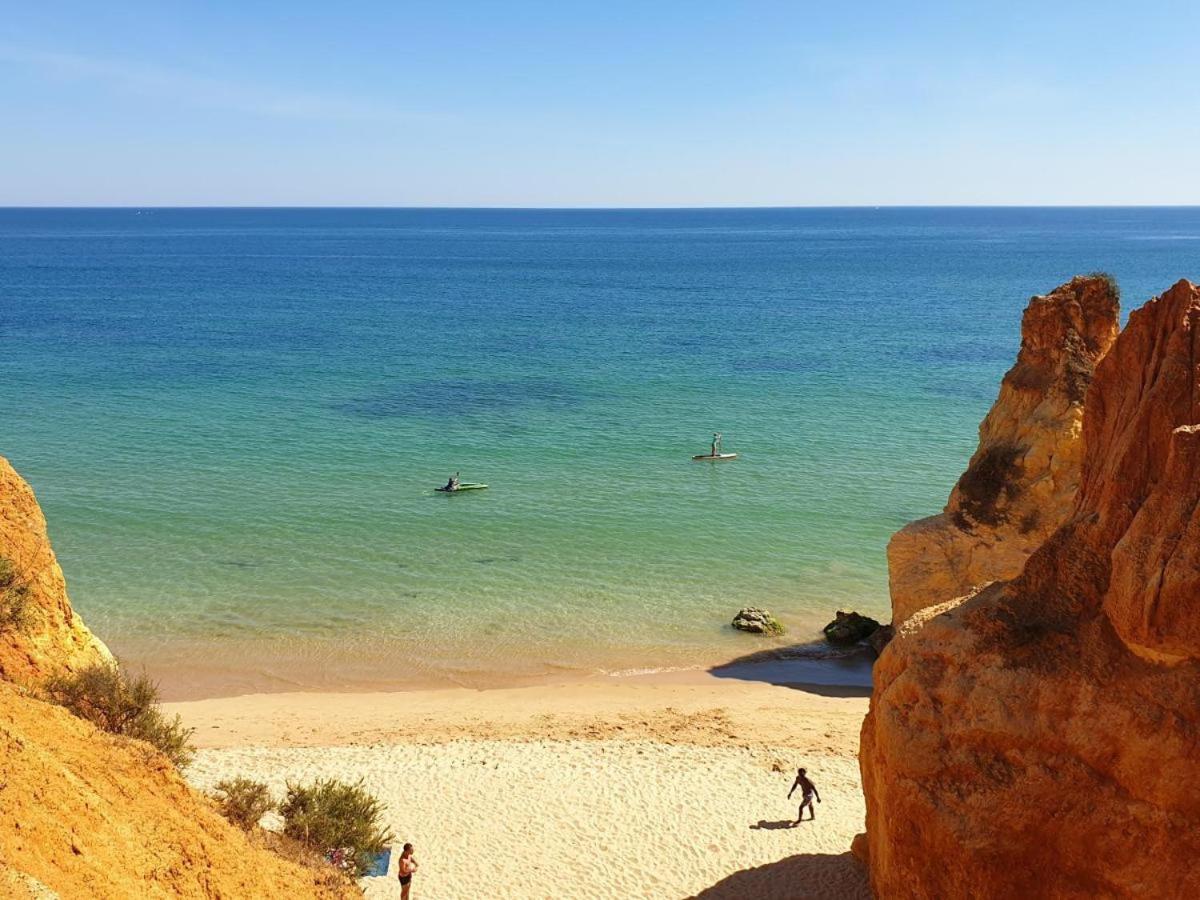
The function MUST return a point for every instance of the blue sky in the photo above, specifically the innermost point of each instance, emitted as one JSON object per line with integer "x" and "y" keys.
{"x": 598, "y": 104}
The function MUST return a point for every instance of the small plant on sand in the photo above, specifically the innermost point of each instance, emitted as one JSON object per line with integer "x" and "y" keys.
{"x": 16, "y": 613}
{"x": 243, "y": 801}
{"x": 332, "y": 815}
{"x": 103, "y": 695}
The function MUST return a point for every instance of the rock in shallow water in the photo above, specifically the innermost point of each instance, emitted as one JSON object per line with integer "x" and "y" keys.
{"x": 849, "y": 628}
{"x": 757, "y": 621}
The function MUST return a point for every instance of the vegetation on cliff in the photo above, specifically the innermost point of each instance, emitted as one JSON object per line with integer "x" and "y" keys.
{"x": 113, "y": 702}
{"x": 93, "y": 815}
{"x": 16, "y": 613}
{"x": 243, "y": 801}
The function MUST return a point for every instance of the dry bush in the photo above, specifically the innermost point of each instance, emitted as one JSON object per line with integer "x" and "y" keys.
{"x": 243, "y": 801}
{"x": 16, "y": 614}
{"x": 104, "y": 696}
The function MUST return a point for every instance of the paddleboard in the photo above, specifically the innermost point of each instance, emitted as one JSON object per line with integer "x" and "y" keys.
{"x": 717, "y": 458}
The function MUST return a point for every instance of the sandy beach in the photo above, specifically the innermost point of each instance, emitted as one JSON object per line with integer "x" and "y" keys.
{"x": 659, "y": 787}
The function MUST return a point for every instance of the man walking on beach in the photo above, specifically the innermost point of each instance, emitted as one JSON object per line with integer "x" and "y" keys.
{"x": 808, "y": 790}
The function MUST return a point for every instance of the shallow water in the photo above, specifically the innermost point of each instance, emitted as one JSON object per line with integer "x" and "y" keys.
{"x": 234, "y": 420}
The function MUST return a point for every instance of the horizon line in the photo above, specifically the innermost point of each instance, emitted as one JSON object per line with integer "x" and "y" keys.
{"x": 698, "y": 208}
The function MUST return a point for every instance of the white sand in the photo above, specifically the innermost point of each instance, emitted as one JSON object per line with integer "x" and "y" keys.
{"x": 506, "y": 801}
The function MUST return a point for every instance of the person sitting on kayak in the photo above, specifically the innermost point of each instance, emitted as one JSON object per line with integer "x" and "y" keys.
{"x": 452, "y": 484}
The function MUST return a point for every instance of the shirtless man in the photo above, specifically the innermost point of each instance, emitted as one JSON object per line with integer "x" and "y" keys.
{"x": 808, "y": 790}
{"x": 406, "y": 866}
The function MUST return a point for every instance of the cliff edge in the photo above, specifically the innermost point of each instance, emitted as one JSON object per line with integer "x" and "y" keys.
{"x": 1041, "y": 738}
{"x": 40, "y": 635}
{"x": 1020, "y": 484}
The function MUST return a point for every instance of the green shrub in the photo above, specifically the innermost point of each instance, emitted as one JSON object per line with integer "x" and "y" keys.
{"x": 102, "y": 695}
{"x": 243, "y": 801}
{"x": 331, "y": 815}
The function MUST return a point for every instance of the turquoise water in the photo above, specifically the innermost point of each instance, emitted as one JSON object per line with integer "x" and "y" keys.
{"x": 235, "y": 418}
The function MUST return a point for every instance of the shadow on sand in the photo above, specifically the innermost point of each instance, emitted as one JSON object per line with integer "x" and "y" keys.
{"x": 805, "y": 876}
{"x": 813, "y": 668}
{"x": 764, "y": 825}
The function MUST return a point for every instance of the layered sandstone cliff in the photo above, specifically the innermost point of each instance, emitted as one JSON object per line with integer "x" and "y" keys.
{"x": 82, "y": 813}
{"x": 40, "y": 635}
{"x": 1021, "y": 482}
{"x": 1041, "y": 738}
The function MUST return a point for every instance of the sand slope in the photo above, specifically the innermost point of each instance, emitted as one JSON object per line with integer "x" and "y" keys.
{"x": 88, "y": 815}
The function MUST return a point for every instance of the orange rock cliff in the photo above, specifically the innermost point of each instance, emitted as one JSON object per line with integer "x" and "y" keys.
{"x": 84, "y": 814}
{"x": 54, "y": 639}
{"x": 1041, "y": 737}
{"x": 1020, "y": 484}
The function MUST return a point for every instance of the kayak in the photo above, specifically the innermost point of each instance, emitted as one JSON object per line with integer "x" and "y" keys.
{"x": 463, "y": 486}
{"x": 717, "y": 458}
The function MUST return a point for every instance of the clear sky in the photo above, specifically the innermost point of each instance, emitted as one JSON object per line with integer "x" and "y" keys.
{"x": 598, "y": 104}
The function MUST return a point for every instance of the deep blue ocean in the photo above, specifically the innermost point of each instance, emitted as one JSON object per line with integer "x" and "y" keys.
{"x": 234, "y": 419}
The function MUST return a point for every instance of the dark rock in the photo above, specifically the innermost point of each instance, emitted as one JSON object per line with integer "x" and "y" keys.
{"x": 879, "y": 638}
{"x": 850, "y": 628}
{"x": 757, "y": 621}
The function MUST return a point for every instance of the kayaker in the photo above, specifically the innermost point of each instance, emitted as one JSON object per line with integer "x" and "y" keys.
{"x": 452, "y": 484}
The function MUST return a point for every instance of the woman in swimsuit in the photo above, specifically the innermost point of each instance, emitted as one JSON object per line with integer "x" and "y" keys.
{"x": 406, "y": 867}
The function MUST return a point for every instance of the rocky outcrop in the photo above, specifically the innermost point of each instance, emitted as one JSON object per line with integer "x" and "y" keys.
{"x": 1041, "y": 737}
{"x": 1021, "y": 483}
{"x": 40, "y": 635}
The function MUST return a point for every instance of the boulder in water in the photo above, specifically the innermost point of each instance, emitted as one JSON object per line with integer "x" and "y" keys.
{"x": 757, "y": 621}
{"x": 849, "y": 628}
